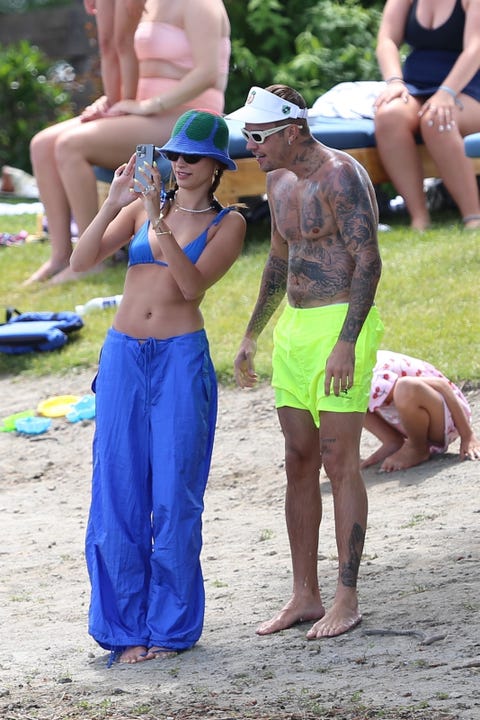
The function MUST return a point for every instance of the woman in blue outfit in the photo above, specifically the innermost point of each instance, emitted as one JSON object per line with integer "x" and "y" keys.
{"x": 436, "y": 93}
{"x": 156, "y": 395}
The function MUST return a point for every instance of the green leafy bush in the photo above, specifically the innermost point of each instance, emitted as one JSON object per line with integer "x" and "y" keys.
{"x": 333, "y": 41}
{"x": 31, "y": 99}
{"x": 338, "y": 45}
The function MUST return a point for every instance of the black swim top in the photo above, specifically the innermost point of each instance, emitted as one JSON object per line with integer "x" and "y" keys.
{"x": 448, "y": 36}
{"x": 140, "y": 252}
{"x": 434, "y": 53}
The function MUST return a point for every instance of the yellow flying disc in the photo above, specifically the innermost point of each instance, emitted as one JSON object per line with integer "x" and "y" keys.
{"x": 57, "y": 406}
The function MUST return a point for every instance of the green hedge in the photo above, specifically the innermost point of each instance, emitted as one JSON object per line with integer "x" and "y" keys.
{"x": 31, "y": 99}
{"x": 310, "y": 45}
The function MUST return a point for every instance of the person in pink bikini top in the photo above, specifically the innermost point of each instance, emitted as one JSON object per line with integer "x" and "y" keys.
{"x": 162, "y": 45}
{"x": 183, "y": 52}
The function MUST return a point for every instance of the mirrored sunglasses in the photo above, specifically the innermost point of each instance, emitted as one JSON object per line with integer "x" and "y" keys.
{"x": 259, "y": 136}
{"x": 189, "y": 159}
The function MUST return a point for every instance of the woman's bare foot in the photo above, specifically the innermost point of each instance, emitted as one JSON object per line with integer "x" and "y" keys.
{"x": 471, "y": 222}
{"x": 156, "y": 652}
{"x": 68, "y": 275}
{"x": 45, "y": 272}
{"x": 291, "y": 614}
{"x": 133, "y": 654}
{"x": 421, "y": 228}
{"x": 338, "y": 620}
{"x": 420, "y": 222}
{"x": 408, "y": 456}
{"x": 381, "y": 453}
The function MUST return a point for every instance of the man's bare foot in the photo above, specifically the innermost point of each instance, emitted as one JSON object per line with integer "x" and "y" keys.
{"x": 156, "y": 652}
{"x": 408, "y": 456}
{"x": 338, "y": 620}
{"x": 133, "y": 654}
{"x": 45, "y": 272}
{"x": 291, "y": 614}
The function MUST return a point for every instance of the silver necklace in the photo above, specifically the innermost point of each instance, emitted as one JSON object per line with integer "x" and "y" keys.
{"x": 189, "y": 210}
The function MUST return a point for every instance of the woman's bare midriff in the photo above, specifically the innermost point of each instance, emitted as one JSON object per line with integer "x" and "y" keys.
{"x": 153, "y": 306}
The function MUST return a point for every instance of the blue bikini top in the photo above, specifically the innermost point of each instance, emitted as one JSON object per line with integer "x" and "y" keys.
{"x": 140, "y": 252}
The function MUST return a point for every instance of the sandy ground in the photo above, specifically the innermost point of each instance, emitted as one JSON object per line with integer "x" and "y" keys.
{"x": 419, "y": 582}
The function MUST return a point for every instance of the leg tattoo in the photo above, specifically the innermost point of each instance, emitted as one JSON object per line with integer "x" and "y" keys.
{"x": 349, "y": 570}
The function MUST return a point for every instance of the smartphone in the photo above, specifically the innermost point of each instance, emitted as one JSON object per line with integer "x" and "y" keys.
{"x": 144, "y": 153}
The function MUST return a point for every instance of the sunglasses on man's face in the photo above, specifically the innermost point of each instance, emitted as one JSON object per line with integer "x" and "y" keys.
{"x": 259, "y": 136}
{"x": 189, "y": 159}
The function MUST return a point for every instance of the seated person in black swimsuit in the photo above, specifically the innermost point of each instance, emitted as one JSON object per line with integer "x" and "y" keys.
{"x": 156, "y": 395}
{"x": 436, "y": 93}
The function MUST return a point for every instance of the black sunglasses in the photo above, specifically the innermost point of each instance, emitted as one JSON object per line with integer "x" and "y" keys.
{"x": 189, "y": 159}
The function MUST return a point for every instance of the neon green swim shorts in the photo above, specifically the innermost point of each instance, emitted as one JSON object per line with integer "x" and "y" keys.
{"x": 303, "y": 340}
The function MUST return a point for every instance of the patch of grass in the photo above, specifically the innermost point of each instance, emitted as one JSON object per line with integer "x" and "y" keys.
{"x": 414, "y": 590}
{"x": 356, "y": 696}
{"x": 70, "y": 705}
{"x": 142, "y": 710}
{"x": 471, "y": 606}
{"x": 427, "y": 297}
{"x": 266, "y": 535}
{"x": 219, "y": 584}
{"x": 417, "y": 519}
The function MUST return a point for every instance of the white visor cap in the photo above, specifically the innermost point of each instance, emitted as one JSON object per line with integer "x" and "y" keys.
{"x": 263, "y": 106}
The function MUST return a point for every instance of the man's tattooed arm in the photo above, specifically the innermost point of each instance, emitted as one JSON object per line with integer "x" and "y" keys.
{"x": 362, "y": 294}
{"x": 357, "y": 218}
{"x": 272, "y": 290}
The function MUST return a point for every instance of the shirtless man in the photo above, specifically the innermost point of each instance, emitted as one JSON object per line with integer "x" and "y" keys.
{"x": 324, "y": 255}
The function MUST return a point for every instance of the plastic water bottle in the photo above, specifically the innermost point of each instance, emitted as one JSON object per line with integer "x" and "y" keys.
{"x": 98, "y": 303}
